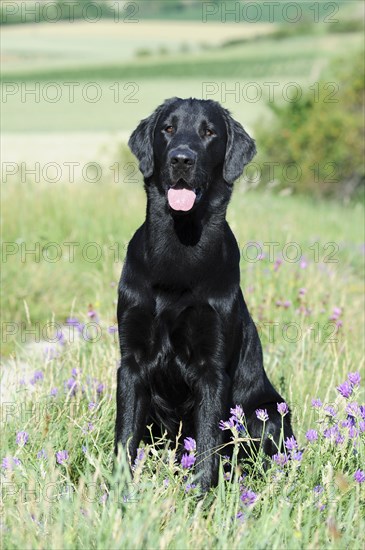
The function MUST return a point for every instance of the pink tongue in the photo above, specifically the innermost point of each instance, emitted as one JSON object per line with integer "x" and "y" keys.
{"x": 181, "y": 199}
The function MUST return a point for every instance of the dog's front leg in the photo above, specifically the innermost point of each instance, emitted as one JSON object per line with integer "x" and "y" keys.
{"x": 133, "y": 404}
{"x": 211, "y": 404}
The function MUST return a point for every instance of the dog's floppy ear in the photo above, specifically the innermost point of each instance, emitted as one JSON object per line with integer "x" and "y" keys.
{"x": 141, "y": 140}
{"x": 240, "y": 149}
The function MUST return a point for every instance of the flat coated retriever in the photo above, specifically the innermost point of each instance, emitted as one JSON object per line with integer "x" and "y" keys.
{"x": 190, "y": 350}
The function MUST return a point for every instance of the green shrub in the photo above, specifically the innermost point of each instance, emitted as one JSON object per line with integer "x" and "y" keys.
{"x": 346, "y": 25}
{"x": 321, "y": 134}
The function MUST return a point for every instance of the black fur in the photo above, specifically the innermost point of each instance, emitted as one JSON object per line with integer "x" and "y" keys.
{"x": 189, "y": 347}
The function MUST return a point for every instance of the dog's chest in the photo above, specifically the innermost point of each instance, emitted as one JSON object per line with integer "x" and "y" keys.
{"x": 184, "y": 332}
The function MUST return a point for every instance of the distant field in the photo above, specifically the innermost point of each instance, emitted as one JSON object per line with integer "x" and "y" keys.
{"x": 28, "y": 48}
{"x": 129, "y": 89}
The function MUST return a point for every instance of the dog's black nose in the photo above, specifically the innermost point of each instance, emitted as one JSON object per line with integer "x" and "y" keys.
{"x": 182, "y": 157}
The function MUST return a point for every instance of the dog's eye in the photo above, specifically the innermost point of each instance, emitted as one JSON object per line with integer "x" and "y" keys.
{"x": 208, "y": 132}
{"x": 169, "y": 129}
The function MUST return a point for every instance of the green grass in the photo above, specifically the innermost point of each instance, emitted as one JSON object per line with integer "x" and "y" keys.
{"x": 68, "y": 506}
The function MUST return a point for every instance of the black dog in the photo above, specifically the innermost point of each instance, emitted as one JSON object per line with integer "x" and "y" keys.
{"x": 190, "y": 349}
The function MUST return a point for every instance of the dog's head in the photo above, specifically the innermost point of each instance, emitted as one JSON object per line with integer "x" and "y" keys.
{"x": 189, "y": 146}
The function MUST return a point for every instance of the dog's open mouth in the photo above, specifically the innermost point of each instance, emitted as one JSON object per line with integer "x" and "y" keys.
{"x": 183, "y": 198}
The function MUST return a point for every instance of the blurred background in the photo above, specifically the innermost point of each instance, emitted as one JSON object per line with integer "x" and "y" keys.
{"x": 78, "y": 76}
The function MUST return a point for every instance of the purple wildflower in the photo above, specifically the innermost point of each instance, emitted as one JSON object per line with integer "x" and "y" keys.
{"x": 277, "y": 264}
{"x": 91, "y": 405}
{"x": 93, "y": 315}
{"x": 112, "y": 329}
{"x": 350, "y": 421}
{"x": 318, "y": 489}
{"x": 166, "y": 482}
{"x": 189, "y": 444}
{"x": 187, "y": 460}
{"x": 353, "y": 409}
{"x": 140, "y": 454}
{"x": 291, "y": 443}
{"x": 189, "y": 487}
{"x": 280, "y": 458}
{"x": 302, "y": 291}
{"x": 6, "y": 463}
{"x": 71, "y": 385}
{"x": 248, "y": 497}
{"x": 262, "y": 415}
{"x": 296, "y": 455}
{"x": 72, "y": 322}
{"x": 240, "y": 517}
{"x": 88, "y": 428}
{"x": 22, "y": 438}
{"x": 54, "y": 392}
{"x": 237, "y": 412}
{"x": 42, "y": 454}
{"x": 330, "y": 410}
{"x": 286, "y": 304}
{"x": 62, "y": 457}
{"x": 311, "y": 435}
{"x": 353, "y": 433}
{"x": 241, "y": 428}
{"x": 282, "y": 408}
{"x": 37, "y": 377}
{"x": 100, "y": 388}
{"x": 316, "y": 403}
{"x": 303, "y": 263}
{"x": 354, "y": 378}
{"x": 345, "y": 389}
{"x": 359, "y": 476}
{"x": 227, "y": 424}
{"x": 84, "y": 449}
{"x": 60, "y": 337}
{"x": 75, "y": 323}
{"x": 9, "y": 462}
{"x": 336, "y": 314}
{"x": 333, "y": 433}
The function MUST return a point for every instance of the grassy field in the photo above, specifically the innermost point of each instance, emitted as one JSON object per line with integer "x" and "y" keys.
{"x": 128, "y": 89}
{"x": 60, "y": 390}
